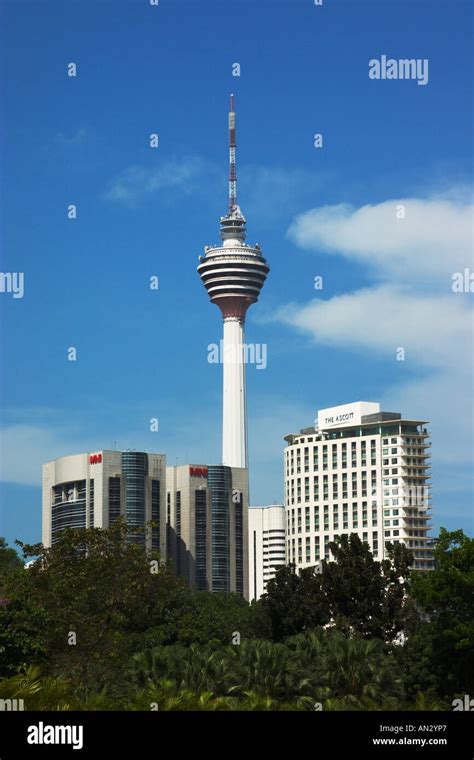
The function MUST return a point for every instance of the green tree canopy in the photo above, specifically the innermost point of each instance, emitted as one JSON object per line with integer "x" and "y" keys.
{"x": 356, "y": 594}
{"x": 365, "y": 595}
{"x": 447, "y": 596}
{"x": 85, "y": 600}
{"x": 10, "y": 562}
{"x": 294, "y": 603}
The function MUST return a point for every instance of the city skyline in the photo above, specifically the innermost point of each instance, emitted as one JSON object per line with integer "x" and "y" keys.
{"x": 327, "y": 212}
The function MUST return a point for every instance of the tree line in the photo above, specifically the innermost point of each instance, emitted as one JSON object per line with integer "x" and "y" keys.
{"x": 94, "y": 623}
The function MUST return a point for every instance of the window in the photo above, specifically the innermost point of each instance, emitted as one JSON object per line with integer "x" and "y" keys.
{"x": 155, "y": 513}
{"x": 114, "y": 499}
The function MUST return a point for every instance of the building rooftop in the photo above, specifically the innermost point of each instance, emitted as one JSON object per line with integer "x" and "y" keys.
{"x": 382, "y": 418}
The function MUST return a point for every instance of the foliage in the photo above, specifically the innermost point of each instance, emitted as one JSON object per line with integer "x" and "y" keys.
{"x": 10, "y": 562}
{"x": 293, "y": 603}
{"x": 90, "y": 626}
{"x": 447, "y": 597}
{"x": 365, "y": 595}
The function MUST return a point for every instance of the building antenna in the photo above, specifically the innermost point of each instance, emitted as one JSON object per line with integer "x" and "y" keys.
{"x": 232, "y": 169}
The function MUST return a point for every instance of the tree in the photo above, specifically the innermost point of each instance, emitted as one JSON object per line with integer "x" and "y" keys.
{"x": 214, "y": 618}
{"x": 16, "y": 646}
{"x": 447, "y": 596}
{"x": 416, "y": 662}
{"x": 9, "y": 559}
{"x": 89, "y": 599}
{"x": 266, "y": 669}
{"x": 352, "y": 669}
{"x": 293, "y": 602}
{"x": 365, "y": 595}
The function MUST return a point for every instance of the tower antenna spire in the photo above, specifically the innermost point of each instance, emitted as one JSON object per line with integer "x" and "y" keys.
{"x": 232, "y": 169}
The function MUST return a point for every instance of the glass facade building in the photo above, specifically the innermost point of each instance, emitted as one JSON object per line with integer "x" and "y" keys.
{"x": 95, "y": 489}
{"x": 219, "y": 480}
{"x": 207, "y": 514}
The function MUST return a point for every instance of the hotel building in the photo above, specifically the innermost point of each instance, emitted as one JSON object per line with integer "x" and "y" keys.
{"x": 358, "y": 470}
{"x": 267, "y": 546}
{"x": 207, "y": 525}
{"x": 93, "y": 489}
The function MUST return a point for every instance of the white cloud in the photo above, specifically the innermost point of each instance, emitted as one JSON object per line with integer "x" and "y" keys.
{"x": 75, "y": 138}
{"x": 272, "y": 193}
{"x": 268, "y": 194}
{"x": 411, "y": 305}
{"x": 433, "y": 240}
{"x": 136, "y": 181}
{"x": 436, "y": 334}
{"x": 25, "y": 448}
{"x": 435, "y": 331}
{"x": 38, "y": 436}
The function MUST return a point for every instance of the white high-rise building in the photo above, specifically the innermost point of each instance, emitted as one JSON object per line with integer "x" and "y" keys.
{"x": 233, "y": 274}
{"x": 358, "y": 470}
{"x": 267, "y": 546}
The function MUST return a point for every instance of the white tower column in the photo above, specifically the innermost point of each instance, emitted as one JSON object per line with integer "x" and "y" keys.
{"x": 234, "y": 417}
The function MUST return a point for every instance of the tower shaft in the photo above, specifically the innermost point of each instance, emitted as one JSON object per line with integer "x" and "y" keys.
{"x": 234, "y": 412}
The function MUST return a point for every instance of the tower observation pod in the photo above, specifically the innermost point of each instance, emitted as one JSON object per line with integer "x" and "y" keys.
{"x": 233, "y": 275}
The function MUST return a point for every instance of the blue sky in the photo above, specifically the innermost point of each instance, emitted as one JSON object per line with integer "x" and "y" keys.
{"x": 144, "y": 212}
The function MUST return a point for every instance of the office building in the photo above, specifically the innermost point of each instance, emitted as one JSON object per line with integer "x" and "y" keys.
{"x": 207, "y": 526}
{"x": 95, "y": 488}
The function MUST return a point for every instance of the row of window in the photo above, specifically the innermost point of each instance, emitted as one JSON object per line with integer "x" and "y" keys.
{"x": 315, "y": 550}
{"x": 320, "y": 520}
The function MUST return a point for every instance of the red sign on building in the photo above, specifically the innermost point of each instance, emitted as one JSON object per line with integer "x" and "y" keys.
{"x": 198, "y": 472}
{"x": 95, "y": 458}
